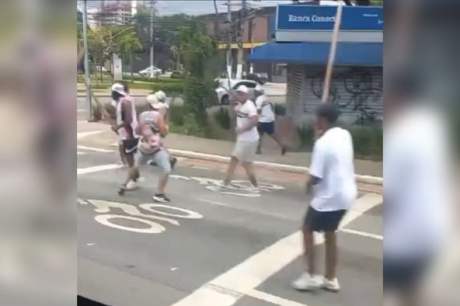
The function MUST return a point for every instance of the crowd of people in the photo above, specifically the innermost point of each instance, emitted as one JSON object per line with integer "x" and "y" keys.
{"x": 331, "y": 186}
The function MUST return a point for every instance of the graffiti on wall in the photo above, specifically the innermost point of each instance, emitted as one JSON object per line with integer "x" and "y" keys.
{"x": 354, "y": 90}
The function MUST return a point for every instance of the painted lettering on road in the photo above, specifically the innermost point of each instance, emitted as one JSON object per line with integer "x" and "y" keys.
{"x": 237, "y": 188}
{"x": 147, "y": 223}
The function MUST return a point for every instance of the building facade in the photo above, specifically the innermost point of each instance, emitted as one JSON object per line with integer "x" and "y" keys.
{"x": 302, "y": 43}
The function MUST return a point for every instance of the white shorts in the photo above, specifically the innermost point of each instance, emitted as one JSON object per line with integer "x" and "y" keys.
{"x": 161, "y": 158}
{"x": 245, "y": 151}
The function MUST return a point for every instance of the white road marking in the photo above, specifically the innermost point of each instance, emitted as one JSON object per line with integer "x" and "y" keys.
{"x": 360, "y": 233}
{"x": 81, "y": 153}
{"x": 94, "y": 149}
{"x": 273, "y": 299}
{"x": 248, "y": 275}
{"x": 91, "y": 244}
{"x": 98, "y": 168}
{"x": 81, "y": 135}
{"x": 153, "y": 227}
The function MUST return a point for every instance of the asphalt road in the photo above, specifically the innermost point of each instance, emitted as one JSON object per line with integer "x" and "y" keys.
{"x": 209, "y": 248}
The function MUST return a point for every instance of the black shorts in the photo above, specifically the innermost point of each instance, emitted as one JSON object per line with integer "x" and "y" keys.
{"x": 266, "y": 127}
{"x": 323, "y": 221}
{"x": 130, "y": 146}
{"x": 404, "y": 275}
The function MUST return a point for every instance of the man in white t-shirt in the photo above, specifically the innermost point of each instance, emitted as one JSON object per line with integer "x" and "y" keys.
{"x": 266, "y": 123}
{"x": 247, "y": 138}
{"x": 333, "y": 189}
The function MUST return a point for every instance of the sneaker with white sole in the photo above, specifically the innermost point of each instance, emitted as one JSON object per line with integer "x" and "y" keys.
{"x": 161, "y": 198}
{"x": 307, "y": 282}
{"x": 331, "y": 285}
{"x": 131, "y": 185}
{"x": 254, "y": 189}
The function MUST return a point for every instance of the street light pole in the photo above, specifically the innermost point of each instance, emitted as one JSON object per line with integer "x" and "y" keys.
{"x": 87, "y": 72}
{"x": 229, "y": 40}
{"x": 152, "y": 13}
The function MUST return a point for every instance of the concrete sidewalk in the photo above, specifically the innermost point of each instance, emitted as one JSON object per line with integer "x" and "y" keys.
{"x": 271, "y": 152}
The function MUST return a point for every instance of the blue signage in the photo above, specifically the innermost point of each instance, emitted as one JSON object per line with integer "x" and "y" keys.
{"x": 311, "y": 17}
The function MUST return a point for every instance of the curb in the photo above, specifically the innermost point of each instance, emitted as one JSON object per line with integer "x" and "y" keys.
{"x": 365, "y": 179}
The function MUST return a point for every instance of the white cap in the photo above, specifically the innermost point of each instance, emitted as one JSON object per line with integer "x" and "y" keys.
{"x": 243, "y": 89}
{"x": 119, "y": 88}
{"x": 161, "y": 96}
{"x": 153, "y": 100}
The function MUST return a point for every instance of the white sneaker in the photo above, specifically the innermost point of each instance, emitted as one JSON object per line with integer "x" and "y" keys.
{"x": 131, "y": 185}
{"x": 307, "y": 282}
{"x": 254, "y": 189}
{"x": 331, "y": 285}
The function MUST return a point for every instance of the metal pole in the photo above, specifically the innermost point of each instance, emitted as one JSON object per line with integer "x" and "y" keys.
{"x": 152, "y": 51}
{"x": 87, "y": 72}
{"x": 330, "y": 64}
{"x": 229, "y": 40}
{"x": 239, "y": 69}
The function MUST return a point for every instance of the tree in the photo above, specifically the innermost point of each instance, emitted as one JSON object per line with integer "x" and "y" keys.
{"x": 198, "y": 53}
{"x": 127, "y": 43}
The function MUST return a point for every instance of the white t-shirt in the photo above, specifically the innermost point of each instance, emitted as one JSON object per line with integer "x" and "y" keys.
{"x": 416, "y": 195}
{"x": 122, "y": 133}
{"x": 332, "y": 162}
{"x": 265, "y": 108}
{"x": 243, "y": 113}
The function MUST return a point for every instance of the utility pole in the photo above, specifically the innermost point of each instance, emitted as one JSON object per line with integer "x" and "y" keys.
{"x": 251, "y": 24}
{"x": 241, "y": 23}
{"x": 229, "y": 40}
{"x": 152, "y": 39}
{"x": 331, "y": 60}
{"x": 87, "y": 72}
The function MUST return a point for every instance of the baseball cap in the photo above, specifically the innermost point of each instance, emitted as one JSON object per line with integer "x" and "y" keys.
{"x": 119, "y": 88}
{"x": 243, "y": 89}
{"x": 153, "y": 100}
{"x": 161, "y": 96}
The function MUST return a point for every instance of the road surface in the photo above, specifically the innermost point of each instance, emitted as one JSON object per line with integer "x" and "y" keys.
{"x": 209, "y": 248}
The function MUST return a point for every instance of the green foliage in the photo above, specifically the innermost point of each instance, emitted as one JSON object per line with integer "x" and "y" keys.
{"x": 198, "y": 53}
{"x": 280, "y": 109}
{"x": 367, "y": 140}
{"x": 223, "y": 119}
{"x": 177, "y": 114}
{"x": 171, "y": 89}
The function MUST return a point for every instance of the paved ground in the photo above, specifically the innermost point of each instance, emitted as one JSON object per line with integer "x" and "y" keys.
{"x": 208, "y": 248}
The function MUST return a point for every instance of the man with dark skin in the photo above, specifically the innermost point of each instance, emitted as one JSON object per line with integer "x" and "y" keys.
{"x": 332, "y": 189}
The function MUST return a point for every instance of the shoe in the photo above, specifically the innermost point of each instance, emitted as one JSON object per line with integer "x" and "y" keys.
{"x": 131, "y": 185}
{"x": 161, "y": 198}
{"x": 307, "y": 282}
{"x": 331, "y": 285}
{"x": 173, "y": 162}
{"x": 254, "y": 189}
{"x": 283, "y": 150}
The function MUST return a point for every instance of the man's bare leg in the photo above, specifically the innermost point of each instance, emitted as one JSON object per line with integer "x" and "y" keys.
{"x": 249, "y": 167}
{"x": 133, "y": 171}
{"x": 278, "y": 141}
{"x": 309, "y": 250}
{"x": 231, "y": 170}
{"x": 162, "y": 182}
{"x": 331, "y": 255}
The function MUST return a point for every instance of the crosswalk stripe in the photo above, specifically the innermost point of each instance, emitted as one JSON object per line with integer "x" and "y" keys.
{"x": 251, "y": 273}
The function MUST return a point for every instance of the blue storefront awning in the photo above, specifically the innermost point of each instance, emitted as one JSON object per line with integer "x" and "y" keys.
{"x": 316, "y": 53}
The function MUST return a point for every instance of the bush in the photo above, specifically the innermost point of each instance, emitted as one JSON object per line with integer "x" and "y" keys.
{"x": 280, "y": 109}
{"x": 222, "y": 117}
{"x": 171, "y": 89}
{"x": 306, "y": 136}
{"x": 367, "y": 140}
{"x": 177, "y": 114}
{"x": 177, "y": 75}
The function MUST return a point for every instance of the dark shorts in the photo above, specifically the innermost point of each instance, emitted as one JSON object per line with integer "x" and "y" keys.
{"x": 266, "y": 128}
{"x": 323, "y": 221}
{"x": 130, "y": 146}
{"x": 404, "y": 275}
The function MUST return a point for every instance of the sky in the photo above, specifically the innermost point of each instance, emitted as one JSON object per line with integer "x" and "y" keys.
{"x": 198, "y": 7}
